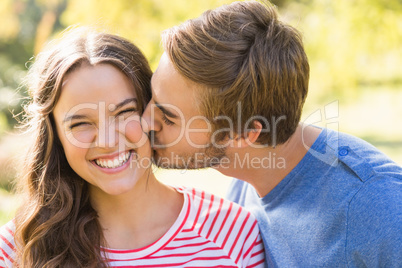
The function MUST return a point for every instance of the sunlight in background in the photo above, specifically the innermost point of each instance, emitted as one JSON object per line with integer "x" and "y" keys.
{"x": 354, "y": 49}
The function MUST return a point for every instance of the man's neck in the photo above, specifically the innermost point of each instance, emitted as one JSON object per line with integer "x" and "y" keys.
{"x": 264, "y": 168}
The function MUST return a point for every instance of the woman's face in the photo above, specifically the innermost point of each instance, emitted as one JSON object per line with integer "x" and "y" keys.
{"x": 99, "y": 127}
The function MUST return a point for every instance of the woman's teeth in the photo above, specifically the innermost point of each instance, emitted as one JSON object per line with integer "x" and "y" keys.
{"x": 114, "y": 163}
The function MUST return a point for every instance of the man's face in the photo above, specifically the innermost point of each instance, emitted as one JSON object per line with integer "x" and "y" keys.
{"x": 179, "y": 133}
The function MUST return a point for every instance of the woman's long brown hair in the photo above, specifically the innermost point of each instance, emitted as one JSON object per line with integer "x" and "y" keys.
{"x": 56, "y": 226}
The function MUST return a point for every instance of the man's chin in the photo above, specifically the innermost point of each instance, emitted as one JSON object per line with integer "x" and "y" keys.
{"x": 166, "y": 163}
{"x": 198, "y": 160}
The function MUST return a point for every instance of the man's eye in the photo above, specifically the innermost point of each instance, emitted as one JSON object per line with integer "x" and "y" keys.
{"x": 167, "y": 121}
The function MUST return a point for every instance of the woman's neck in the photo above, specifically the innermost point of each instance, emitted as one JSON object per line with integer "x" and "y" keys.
{"x": 139, "y": 217}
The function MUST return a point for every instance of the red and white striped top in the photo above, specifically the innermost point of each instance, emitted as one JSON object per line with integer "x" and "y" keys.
{"x": 209, "y": 232}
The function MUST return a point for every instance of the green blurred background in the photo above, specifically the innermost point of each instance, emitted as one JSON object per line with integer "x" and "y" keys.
{"x": 354, "y": 48}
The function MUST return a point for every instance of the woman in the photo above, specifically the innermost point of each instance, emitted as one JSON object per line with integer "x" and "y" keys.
{"x": 92, "y": 199}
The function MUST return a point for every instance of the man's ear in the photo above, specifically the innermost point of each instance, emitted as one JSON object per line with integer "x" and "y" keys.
{"x": 247, "y": 138}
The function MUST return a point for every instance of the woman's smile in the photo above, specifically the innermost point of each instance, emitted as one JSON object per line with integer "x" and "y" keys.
{"x": 115, "y": 162}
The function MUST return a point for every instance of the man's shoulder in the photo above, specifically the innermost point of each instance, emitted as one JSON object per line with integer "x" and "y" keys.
{"x": 374, "y": 222}
{"x": 381, "y": 194}
{"x": 374, "y": 211}
{"x": 361, "y": 157}
{"x": 242, "y": 193}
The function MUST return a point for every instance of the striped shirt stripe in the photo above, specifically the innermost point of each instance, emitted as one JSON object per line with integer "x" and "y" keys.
{"x": 209, "y": 232}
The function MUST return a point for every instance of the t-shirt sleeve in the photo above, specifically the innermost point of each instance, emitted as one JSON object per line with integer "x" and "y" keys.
{"x": 7, "y": 246}
{"x": 235, "y": 191}
{"x": 257, "y": 255}
{"x": 374, "y": 237}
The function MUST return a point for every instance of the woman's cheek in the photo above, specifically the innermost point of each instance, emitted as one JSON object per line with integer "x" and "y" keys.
{"x": 82, "y": 138}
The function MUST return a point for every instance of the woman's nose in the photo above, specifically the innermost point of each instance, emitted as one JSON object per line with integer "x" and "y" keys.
{"x": 108, "y": 135}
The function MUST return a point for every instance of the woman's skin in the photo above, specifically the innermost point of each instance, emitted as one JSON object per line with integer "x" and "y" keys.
{"x": 99, "y": 127}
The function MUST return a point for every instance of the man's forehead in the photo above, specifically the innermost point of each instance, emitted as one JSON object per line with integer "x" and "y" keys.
{"x": 170, "y": 87}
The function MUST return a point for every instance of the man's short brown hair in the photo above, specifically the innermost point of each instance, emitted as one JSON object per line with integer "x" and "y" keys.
{"x": 242, "y": 54}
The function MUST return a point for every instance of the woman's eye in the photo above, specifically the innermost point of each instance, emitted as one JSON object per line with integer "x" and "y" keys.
{"x": 129, "y": 110}
{"x": 166, "y": 120}
{"x": 78, "y": 125}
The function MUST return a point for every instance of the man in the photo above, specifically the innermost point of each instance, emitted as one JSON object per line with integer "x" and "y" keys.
{"x": 228, "y": 93}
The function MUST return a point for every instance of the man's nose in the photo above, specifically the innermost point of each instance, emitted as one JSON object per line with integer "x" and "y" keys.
{"x": 148, "y": 121}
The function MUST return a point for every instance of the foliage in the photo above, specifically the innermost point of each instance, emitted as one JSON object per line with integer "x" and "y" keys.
{"x": 22, "y": 24}
{"x": 8, "y": 205}
{"x": 351, "y": 44}
{"x": 141, "y": 21}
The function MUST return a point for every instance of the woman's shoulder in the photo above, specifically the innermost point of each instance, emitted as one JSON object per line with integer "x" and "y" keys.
{"x": 7, "y": 232}
{"x": 207, "y": 205}
{"x": 7, "y": 244}
{"x": 223, "y": 223}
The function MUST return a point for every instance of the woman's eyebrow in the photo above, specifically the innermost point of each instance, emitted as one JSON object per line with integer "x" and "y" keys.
{"x": 125, "y": 102}
{"x": 74, "y": 117}
{"x": 115, "y": 107}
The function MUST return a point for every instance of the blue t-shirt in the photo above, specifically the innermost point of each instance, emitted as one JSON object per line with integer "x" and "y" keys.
{"x": 341, "y": 206}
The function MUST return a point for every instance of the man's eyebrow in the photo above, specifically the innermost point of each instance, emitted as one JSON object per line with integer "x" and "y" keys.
{"x": 165, "y": 111}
